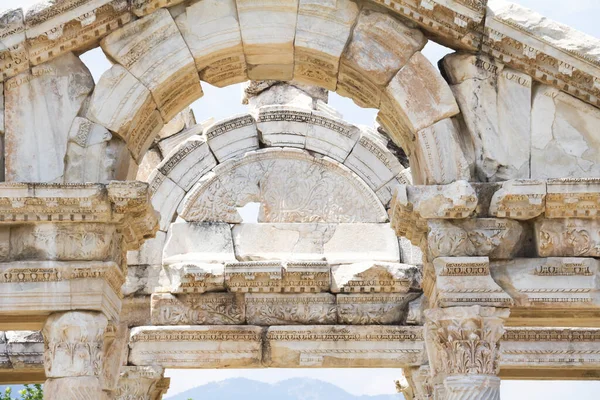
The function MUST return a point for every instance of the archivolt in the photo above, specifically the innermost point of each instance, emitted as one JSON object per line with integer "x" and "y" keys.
{"x": 363, "y": 54}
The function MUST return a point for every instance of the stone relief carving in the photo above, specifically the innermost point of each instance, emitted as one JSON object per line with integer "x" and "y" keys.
{"x": 196, "y": 309}
{"x": 74, "y": 344}
{"x": 291, "y": 186}
{"x": 465, "y": 340}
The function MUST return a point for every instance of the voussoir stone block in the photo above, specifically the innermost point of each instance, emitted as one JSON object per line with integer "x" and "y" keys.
{"x": 188, "y": 162}
{"x": 198, "y": 243}
{"x": 379, "y": 47}
{"x": 46, "y": 99}
{"x": 322, "y": 31}
{"x": 212, "y": 32}
{"x": 268, "y": 30}
{"x": 438, "y": 156}
{"x": 232, "y": 137}
{"x": 153, "y": 50}
{"x": 372, "y": 161}
{"x": 416, "y": 98}
{"x": 283, "y": 126}
{"x": 122, "y": 104}
{"x": 336, "y": 243}
{"x": 165, "y": 197}
{"x": 495, "y": 103}
{"x": 331, "y": 136}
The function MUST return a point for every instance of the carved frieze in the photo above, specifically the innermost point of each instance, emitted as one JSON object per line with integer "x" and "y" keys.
{"x": 291, "y": 309}
{"x": 306, "y": 277}
{"x": 254, "y": 276}
{"x": 373, "y": 309}
{"x": 549, "y": 282}
{"x": 464, "y": 281}
{"x": 568, "y": 237}
{"x": 72, "y": 25}
{"x": 197, "y": 346}
{"x": 495, "y": 238}
{"x": 198, "y": 309}
{"x": 374, "y": 277}
{"x": 550, "y": 348}
{"x": 14, "y": 57}
{"x": 573, "y": 198}
{"x": 291, "y": 186}
{"x": 519, "y": 199}
{"x": 343, "y": 346}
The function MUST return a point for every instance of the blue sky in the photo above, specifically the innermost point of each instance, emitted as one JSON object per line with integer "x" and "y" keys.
{"x": 219, "y": 103}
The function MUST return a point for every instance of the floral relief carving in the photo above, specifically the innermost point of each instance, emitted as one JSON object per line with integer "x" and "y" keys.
{"x": 194, "y": 309}
{"x": 291, "y": 186}
{"x": 74, "y": 344}
{"x": 465, "y": 340}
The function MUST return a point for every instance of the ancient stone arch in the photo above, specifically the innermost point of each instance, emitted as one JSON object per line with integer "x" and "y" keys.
{"x": 486, "y": 267}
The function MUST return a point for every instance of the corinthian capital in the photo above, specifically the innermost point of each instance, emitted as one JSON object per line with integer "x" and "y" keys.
{"x": 464, "y": 340}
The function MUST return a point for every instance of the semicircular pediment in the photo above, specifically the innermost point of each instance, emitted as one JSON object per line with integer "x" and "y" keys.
{"x": 290, "y": 185}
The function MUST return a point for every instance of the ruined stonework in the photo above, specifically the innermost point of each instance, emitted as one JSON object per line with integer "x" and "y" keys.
{"x": 457, "y": 239}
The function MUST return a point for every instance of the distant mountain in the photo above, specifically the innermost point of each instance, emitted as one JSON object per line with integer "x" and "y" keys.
{"x": 291, "y": 389}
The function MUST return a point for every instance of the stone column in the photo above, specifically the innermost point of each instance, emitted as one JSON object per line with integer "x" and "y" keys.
{"x": 73, "y": 355}
{"x": 142, "y": 383}
{"x": 463, "y": 346}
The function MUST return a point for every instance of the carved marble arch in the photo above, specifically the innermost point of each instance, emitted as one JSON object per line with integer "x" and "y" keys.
{"x": 161, "y": 58}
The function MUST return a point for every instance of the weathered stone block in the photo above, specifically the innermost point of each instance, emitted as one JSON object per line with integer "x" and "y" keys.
{"x": 268, "y": 29}
{"x": 212, "y": 32}
{"x": 344, "y": 346}
{"x": 291, "y": 309}
{"x": 372, "y": 309}
{"x": 46, "y": 99}
{"x": 322, "y": 31}
{"x": 188, "y": 162}
{"x": 153, "y": 50}
{"x": 197, "y": 346}
{"x": 198, "y": 309}
{"x": 232, "y": 137}
{"x": 198, "y": 243}
{"x": 373, "y": 277}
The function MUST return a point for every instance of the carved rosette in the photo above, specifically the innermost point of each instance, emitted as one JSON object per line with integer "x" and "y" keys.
{"x": 74, "y": 344}
{"x": 463, "y": 344}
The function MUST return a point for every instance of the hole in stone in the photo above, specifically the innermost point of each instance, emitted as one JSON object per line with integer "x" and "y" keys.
{"x": 96, "y": 62}
{"x": 249, "y": 213}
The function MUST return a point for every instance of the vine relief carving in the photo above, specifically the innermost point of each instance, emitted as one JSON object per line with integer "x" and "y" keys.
{"x": 292, "y": 186}
{"x": 465, "y": 340}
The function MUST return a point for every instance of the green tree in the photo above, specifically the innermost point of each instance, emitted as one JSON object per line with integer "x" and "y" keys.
{"x": 34, "y": 392}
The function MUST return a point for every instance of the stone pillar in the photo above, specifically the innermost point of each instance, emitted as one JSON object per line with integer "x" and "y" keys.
{"x": 463, "y": 346}
{"x": 73, "y": 355}
{"x": 142, "y": 383}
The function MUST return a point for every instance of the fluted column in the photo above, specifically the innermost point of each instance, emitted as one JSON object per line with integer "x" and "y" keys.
{"x": 463, "y": 346}
{"x": 73, "y": 355}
